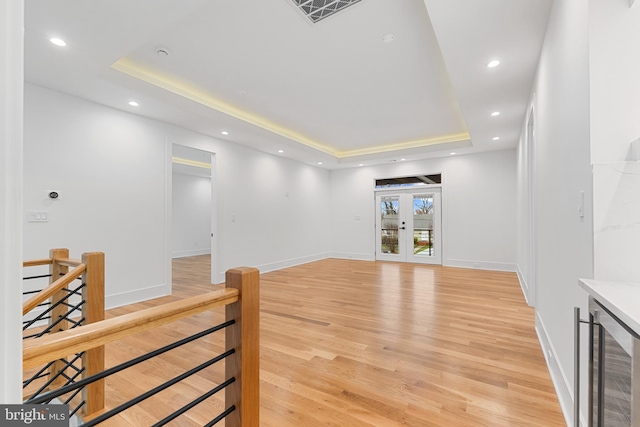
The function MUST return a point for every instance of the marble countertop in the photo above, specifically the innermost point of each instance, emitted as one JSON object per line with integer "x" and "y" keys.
{"x": 622, "y": 299}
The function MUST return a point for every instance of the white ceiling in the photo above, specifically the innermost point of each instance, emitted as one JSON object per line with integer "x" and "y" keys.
{"x": 330, "y": 92}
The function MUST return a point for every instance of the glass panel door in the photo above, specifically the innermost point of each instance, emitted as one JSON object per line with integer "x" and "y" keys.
{"x": 389, "y": 241}
{"x": 425, "y": 228}
{"x": 408, "y": 226}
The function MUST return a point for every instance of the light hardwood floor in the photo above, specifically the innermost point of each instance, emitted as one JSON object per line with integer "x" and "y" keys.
{"x": 355, "y": 344}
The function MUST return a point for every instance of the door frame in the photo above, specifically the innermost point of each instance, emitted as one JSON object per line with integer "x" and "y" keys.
{"x": 404, "y": 254}
{"x": 530, "y": 203}
{"x": 216, "y": 277}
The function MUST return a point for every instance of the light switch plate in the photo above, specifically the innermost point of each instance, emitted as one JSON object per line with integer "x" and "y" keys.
{"x": 37, "y": 216}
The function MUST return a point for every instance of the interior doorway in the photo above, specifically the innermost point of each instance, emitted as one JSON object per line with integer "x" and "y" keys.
{"x": 192, "y": 205}
{"x": 409, "y": 225}
{"x": 529, "y": 209}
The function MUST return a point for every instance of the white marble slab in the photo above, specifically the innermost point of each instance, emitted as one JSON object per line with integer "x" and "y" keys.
{"x": 622, "y": 299}
{"x": 616, "y": 221}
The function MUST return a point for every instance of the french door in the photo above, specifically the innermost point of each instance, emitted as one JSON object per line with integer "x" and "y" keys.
{"x": 408, "y": 226}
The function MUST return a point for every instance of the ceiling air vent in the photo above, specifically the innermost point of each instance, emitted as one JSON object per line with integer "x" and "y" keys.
{"x": 317, "y": 10}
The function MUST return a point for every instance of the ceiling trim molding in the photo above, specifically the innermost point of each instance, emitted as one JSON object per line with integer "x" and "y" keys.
{"x": 185, "y": 90}
{"x": 167, "y": 83}
{"x": 188, "y": 162}
{"x": 446, "y": 139}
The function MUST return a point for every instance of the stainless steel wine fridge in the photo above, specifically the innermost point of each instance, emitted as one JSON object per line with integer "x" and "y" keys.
{"x": 614, "y": 370}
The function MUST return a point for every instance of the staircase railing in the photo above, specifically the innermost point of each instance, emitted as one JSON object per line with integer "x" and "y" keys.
{"x": 241, "y": 301}
{"x": 61, "y": 305}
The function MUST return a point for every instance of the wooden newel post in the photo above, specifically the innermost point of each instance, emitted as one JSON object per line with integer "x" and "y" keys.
{"x": 93, "y": 311}
{"x": 244, "y": 336}
{"x": 56, "y": 270}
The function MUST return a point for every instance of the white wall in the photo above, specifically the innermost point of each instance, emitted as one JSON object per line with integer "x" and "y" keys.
{"x": 614, "y": 37}
{"x": 563, "y": 240}
{"x": 11, "y": 97}
{"x": 479, "y": 208}
{"x": 191, "y": 215}
{"x": 112, "y": 170}
{"x": 109, "y": 169}
{"x": 272, "y": 212}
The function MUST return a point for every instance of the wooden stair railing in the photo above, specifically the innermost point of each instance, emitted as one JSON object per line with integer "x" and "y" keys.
{"x": 91, "y": 271}
{"x": 241, "y": 298}
{"x": 245, "y": 338}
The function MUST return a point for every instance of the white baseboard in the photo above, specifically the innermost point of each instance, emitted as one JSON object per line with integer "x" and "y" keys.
{"x": 480, "y": 265}
{"x": 558, "y": 377}
{"x": 350, "y": 255}
{"x": 139, "y": 295}
{"x": 193, "y": 252}
{"x": 265, "y": 268}
{"x": 523, "y": 285}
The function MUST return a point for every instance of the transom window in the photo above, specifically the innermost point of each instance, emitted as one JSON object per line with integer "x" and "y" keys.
{"x": 409, "y": 181}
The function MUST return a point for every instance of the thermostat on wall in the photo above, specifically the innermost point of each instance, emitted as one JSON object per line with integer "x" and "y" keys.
{"x": 53, "y": 195}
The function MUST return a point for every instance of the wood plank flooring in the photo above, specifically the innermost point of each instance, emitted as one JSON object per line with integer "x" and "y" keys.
{"x": 360, "y": 344}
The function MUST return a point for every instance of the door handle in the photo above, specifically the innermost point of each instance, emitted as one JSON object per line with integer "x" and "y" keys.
{"x": 402, "y": 228}
{"x": 576, "y": 364}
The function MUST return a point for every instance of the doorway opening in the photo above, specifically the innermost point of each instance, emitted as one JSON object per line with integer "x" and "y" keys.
{"x": 409, "y": 220}
{"x": 192, "y": 207}
{"x": 529, "y": 204}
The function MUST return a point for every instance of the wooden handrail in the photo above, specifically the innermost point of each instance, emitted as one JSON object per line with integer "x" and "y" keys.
{"x": 69, "y": 262}
{"x": 36, "y": 262}
{"x": 56, "y": 286}
{"x": 42, "y": 350}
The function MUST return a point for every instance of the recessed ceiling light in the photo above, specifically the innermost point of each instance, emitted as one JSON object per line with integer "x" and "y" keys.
{"x": 402, "y": 160}
{"x": 452, "y": 154}
{"x": 493, "y": 63}
{"x": 495, "y": 113}
{"x": 319, "y": 163}
{"x": 58, "y": 42}
{"x": 280, "y": 151}
{"x": 361, "y": 164}
{"x": 388, "y": 38}
{"x": 134, "y": 103}
{"x": 496, "y": 138}
{"x": 224, "y": 132}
